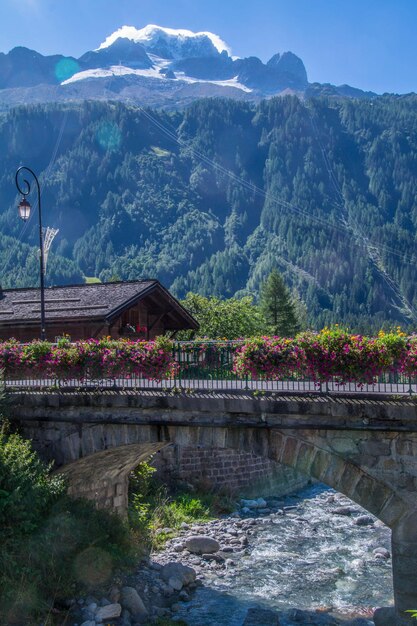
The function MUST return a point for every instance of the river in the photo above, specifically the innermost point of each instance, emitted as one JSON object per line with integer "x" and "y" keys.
{"x": 305, "y": 557}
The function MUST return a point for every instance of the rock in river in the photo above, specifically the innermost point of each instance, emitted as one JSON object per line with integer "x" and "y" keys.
{"x": 200, "y": 544}
{"x": 178, "y": 571}
{"x": 108, "y": 612}
{"x": 131, "y": 600}
{"x": 260, "y": 617}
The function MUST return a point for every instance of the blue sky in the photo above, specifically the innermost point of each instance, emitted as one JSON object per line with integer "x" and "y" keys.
{"x": 370, "y": 44}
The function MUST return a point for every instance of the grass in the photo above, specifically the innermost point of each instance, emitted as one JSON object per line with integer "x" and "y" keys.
{"x": 160, "y": 152}
{"x": 91, "y": 280}
{"x": 153, "y": 508}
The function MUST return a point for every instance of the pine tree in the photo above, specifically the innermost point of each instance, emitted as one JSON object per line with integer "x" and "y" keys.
{"x": 278, "y": 307}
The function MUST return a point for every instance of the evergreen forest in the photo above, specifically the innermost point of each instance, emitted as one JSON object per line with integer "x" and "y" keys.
{"x": 210, "y": 199}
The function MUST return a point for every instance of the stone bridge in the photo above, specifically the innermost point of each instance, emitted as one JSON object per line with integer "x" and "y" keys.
{"x": 365, "y": 447}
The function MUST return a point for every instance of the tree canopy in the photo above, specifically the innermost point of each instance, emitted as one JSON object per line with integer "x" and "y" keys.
{"x": 232, "y": 318}
{"x": 278, "y": 307}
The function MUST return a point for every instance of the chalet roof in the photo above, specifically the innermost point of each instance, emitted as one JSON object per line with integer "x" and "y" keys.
{"x": 98, "y": 301}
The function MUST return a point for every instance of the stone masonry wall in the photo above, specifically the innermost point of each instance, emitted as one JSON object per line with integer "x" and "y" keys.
{"x": 228, "y": 470}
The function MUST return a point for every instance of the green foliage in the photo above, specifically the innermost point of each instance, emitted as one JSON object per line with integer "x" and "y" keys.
{"x": 413, "y": 613}
{"x": 152, "y": 508}
{"x": 26, "y": 490}
{"x": 232, "y": 318}
{"x": 52, "y": 545}
{"x": 278, "y": 307}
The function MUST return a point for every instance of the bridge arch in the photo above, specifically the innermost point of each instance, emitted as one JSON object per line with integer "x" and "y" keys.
{"x": 102, "y": 474}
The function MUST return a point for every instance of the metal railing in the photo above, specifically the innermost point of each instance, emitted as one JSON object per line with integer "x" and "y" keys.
{"x": 208, "y": 366}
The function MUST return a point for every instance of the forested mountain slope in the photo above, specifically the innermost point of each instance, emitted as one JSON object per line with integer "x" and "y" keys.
{"x": 211, "y": 198}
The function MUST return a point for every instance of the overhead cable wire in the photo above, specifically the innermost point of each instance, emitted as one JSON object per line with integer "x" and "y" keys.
{"x": 343, "y": 229}
{"x": 373, "y": 250}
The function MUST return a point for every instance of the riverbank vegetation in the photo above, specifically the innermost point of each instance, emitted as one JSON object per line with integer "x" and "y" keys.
{"x": 157, "y": 511}
{"x": 51, "y": 545}
{"x": 55, "y": 547}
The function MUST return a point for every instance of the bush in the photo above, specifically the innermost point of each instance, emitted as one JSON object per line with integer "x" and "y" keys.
{"x": 52, "y": 545}
{"x": 26, "y": 490}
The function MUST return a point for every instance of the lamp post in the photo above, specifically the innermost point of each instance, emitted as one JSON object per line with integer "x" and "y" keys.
{"x": 24, "y": 213}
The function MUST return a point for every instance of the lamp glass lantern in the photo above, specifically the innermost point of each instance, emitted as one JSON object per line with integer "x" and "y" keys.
{"x": 24, "y": 209}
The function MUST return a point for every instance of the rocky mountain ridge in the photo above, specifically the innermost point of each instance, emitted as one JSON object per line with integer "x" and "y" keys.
{"x": 157, "y": 66}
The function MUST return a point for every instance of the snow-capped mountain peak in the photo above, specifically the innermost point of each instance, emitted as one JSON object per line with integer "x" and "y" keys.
{"x": 171, "y": 43}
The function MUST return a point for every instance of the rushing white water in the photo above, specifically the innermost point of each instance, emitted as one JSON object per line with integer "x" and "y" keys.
{"x": 308, "y": 558}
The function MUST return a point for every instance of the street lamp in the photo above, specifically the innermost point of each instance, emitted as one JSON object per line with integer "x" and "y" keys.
{"x": 24, "y": 213}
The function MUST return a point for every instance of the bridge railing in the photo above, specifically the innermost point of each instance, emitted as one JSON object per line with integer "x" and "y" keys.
{"x": 209, "y": 366}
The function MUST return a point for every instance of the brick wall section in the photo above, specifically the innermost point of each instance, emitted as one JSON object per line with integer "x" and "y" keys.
{"x": 227, "y": 470}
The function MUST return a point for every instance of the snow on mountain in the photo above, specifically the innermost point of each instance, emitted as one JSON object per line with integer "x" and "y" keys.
{"x": 156, "y": 72}
{"x": 170, "y": 43}
{"x": 115, "y": 70}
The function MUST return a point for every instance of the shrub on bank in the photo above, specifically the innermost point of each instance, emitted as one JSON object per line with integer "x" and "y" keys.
{"x": 51, "y": 545}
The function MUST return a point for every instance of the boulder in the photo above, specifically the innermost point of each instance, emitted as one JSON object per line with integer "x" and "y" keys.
{"x": 178, "y": 571}
{"x": 183, "y": 595}
{"x": 108, "y": 612}
{"x": 126, "y": 621}
{"x": 260, "y": 503}
{"x": 343, "y": 510}
{"x": 385, "y": 616}
{"x": 260, "y": 617}
{"x": 312, "y": 617}
{"x": 382, "y": 553}
{"x": 200, "y": 544}
{"x": 131, "y": 600}
{"x": 175, "y": 583}
{"x": 179, "y": 547}
{"x": 114, "y": 594}
{"x": 364, "y": 520}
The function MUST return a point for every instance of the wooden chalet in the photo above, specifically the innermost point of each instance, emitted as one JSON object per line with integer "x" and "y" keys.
{"x": 139, "y": 309}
